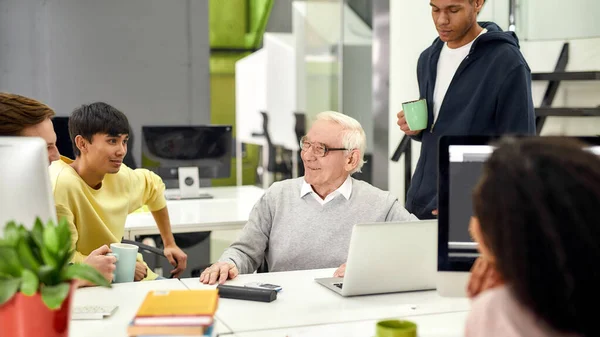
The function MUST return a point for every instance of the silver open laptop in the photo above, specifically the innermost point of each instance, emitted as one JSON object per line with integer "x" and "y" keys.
{"x": 387, "y": 257}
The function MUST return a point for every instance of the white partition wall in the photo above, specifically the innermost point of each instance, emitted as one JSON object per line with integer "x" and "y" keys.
{"x": 266, "y": 81}
{"x": 411, "y": 31}
{"x": 281, "y": 89}
{"x": 250, "y": 97}
{"x": 250, "y": 100}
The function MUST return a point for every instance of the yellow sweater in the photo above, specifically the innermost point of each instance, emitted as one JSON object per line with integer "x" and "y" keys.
{"x": 97, "y": 217}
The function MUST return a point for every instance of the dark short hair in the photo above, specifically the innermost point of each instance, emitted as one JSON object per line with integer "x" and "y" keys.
{"x": 537, "y": 203}
{"x": 18, "y": 112}
{"x": 96, "y": 118}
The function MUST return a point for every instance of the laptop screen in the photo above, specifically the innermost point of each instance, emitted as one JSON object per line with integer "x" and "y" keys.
{"x": 461, "y": 160}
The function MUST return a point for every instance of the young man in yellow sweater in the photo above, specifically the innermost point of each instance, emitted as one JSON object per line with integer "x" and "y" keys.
{"x": 96, "y": 192}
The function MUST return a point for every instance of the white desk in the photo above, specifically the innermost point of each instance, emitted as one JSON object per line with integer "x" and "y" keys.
{"x": 304, "y": 302}
{"x": 129, "y": 297}
{"x": 229, "y": 209}
{"x": 436, "y": 325}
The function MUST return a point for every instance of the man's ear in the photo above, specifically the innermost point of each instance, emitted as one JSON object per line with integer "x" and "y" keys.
{"x": 479, "y": 5}
{"x": 352, "y": 160}
{"x": 81, "y": 143}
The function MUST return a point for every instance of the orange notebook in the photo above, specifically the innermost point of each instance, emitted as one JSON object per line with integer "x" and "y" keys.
{"x": 178, "y": 305}
{"x": 136, "y": 330}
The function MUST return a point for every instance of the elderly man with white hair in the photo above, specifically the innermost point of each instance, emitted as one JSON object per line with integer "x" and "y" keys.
{"x": 306, "y": 223}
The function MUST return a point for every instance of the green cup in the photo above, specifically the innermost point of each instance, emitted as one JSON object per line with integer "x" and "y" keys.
{"x": 415, "y": 113}
{"x": 126, "y": 255}
{"x": 395, "y": 328}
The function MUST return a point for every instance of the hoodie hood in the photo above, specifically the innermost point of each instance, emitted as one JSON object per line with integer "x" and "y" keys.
{"x": 494, "y": 34}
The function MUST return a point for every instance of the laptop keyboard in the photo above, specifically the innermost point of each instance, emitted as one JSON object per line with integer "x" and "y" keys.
{"x": 339, "y": 285}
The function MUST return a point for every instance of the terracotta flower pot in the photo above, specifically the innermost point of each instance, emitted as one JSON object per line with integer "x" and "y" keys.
{"x": 28, "y": 316}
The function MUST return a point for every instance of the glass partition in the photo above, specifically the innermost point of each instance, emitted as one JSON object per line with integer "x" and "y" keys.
{"x": 557, "y": 19}
{"x": 317, "y": 30}
{"x": 333, "y": 50}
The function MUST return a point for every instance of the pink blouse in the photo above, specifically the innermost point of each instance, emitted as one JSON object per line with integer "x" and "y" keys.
{"x": 495, "y": 313}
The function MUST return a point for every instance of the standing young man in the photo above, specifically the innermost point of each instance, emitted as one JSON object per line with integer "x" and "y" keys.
{"x": 475, "y": 81}
{"x": 96, "y": 192}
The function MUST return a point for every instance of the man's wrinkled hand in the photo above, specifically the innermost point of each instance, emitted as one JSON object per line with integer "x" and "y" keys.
{"x": 220, "y": 271}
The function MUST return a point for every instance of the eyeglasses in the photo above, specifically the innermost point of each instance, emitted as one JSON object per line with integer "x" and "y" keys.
{"x": 319, "y": 149}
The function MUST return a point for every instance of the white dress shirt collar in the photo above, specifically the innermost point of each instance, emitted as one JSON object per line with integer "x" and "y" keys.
{"x": 345, "y": 189}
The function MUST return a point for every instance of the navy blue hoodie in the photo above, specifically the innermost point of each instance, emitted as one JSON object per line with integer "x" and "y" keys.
{"x": 490, "y": 94}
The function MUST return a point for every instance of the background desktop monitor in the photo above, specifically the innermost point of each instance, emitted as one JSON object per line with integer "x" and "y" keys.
{"x": 460, "y": 163}
{"x": 63, "y": 140}
{"x": 207, "y": 147}
{"x": 26, "y": 192}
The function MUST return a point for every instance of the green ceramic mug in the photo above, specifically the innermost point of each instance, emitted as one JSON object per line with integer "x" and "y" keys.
{"x": 415, "y": 113}
{"x": 126, "y": 255}
{"x": 395, "y": 328}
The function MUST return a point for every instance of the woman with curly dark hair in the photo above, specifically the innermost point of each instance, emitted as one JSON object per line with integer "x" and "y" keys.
{"x": 536, "y": 221}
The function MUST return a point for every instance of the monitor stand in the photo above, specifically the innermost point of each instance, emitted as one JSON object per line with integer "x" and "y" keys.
{"x": 197, "y": 196}
{"x": 189, "y": 185}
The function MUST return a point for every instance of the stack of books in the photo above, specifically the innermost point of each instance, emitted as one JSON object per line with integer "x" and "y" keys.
{"x": 176, "y": 313}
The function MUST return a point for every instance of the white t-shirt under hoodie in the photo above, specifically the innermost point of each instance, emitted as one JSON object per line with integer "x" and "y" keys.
{"x": 447, "y": 65}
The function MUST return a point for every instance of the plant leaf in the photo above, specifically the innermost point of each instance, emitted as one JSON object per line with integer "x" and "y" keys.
{"x": 66, "y": 259}
{"x": 85, "y": 272}
{"x": 48, "y": 275}
{"x": 53, "y": 296}
{"x": 26, "y": 255}
{"x": 30, "y": 283}
{"x": 48, "y": 257}
{"x": 51, "y": 239}
{"x": 11, "y": 233}
{"x": 64, "y": 233}
{"x": 37, "y": 253}
{"x": 9, "y": 262}
{"x": 23, "y": 232}
{"x": 37, "y": 233}
{"x": 8, "y": 288}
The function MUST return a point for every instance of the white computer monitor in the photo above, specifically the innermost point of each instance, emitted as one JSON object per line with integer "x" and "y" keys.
{"x": 25, "y": 190}
{"x": 460, "y": 163}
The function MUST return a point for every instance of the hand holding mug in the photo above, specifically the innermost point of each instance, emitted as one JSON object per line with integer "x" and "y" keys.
{"x": 404, "y": 125}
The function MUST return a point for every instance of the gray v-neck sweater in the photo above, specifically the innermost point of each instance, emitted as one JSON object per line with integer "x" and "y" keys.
{"x": 298, "y": 233}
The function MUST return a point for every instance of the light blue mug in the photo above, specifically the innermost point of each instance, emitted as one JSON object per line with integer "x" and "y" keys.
{"x": 126, "y": 255}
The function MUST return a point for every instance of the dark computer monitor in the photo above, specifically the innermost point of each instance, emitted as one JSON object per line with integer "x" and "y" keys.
{"x": 167, "y": 149}
{"x": 460, "y": 163}
{"x": 63, "y": 140}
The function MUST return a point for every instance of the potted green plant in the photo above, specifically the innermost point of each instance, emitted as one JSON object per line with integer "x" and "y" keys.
{"x": 37, "y": 279}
